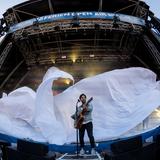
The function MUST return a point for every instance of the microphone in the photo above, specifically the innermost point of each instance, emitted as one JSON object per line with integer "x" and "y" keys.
{"x": 78, "y": 100}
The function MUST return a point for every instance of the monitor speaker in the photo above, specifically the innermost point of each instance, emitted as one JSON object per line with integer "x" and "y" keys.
{"x": 31, "y": 147}
{"x": 126, "y": 145}
{"x": 157, "y": 139}
{"x": 14, "y": 154}
{"x": 149, "y": 151}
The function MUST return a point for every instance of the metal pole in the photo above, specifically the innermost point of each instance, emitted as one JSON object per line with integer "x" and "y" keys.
{"x": 77, "y": 128}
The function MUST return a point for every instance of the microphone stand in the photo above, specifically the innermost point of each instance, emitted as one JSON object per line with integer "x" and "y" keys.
{"x": 77, "y": 128}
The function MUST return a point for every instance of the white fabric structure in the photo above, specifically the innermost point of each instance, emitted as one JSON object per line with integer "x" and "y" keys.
{"x": 47, "y": 116}
{"x": 17, "y": 112}
{"x": 122, "y": 99}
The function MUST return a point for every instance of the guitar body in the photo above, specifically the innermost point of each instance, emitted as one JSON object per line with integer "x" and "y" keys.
{"x": 79, "y": 121}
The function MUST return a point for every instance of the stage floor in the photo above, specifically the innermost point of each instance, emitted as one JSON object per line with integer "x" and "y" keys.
{"x": 67, "y": 156}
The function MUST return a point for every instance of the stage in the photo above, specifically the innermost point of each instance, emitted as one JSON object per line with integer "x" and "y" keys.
{"x": 67, "y": 156}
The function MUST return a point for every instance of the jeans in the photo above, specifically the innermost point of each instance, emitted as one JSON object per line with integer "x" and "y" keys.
{"x": 89, "y": 128}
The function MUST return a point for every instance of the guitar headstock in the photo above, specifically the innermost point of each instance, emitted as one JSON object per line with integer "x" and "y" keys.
{"x": 90, "y": 100}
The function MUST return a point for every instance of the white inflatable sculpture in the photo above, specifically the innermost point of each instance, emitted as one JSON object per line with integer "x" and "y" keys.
{"x": 121, "y": 98}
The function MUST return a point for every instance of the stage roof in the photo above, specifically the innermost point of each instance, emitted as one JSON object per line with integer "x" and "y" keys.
{"x": 37, "y": 8}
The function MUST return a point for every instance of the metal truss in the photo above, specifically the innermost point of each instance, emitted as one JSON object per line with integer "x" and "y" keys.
{"x": 137, "y": 8}
{"x": 33, "y": 35}
{"x": 155, "y": 23}
{"x": 5, "y": 53}
{"x": 63, "y": 26}
{"x": 153, "y": 50}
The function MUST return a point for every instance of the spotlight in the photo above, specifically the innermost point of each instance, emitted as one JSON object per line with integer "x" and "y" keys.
{"x": 64, "y": 57}
{"x": 3, "y": 27}
{"x": 57, "y": 28}
{"x": 75, "y": 21}
{"x": 130, "y": 27}
{"x": 25, "y": 34}
{"x": 115, "y": 20}
{"x": 97, "y": 26}
{"x": 91, "y": 55}
{"x": 73, "y": 60}
{"x": 53, "y": 61}
{"x": 35, "y": 25}
{"x": 75, "y": 24}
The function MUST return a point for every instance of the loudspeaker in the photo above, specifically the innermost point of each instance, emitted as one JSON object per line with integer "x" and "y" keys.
{"x": 157, "y": 152}
{"x": 149, "y": 151}
{"x": 30, "y": 147}
{"x": 157, "y": 139}
{"x": 126, "y": 145}
{"x": 14, "y": 154}
{"x": 3, "y": 145}
{"x": 131, "y": 155}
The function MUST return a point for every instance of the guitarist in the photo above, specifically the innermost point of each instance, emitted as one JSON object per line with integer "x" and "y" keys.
{"x": 86, "y": 124}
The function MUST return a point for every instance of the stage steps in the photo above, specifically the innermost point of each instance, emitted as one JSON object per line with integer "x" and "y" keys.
{"x": 67, "y": 156}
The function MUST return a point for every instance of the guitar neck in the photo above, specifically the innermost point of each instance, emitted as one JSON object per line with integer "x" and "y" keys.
{"x": 89, "y": 101}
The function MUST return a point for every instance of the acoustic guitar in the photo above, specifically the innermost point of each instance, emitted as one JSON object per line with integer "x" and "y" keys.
{"x": 79, "y": 120}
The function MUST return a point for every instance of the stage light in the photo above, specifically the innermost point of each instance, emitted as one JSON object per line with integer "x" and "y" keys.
{"x": 157, "y": 112}
{"x": 25, "y": 34}
{"x": 67, "y": 81}
{"x": 63, "y": 57}
{"x": 130, "y": 27}
{"x": 3, "y": 27}
{"x": 91, "y": 55}
{"x": 35, "y": 25}
{"x": 57, "y": 28}
{"x": 53, "y": 61}
{"x": 73, "y": 57}
{"x": 73, "y": 60}
{"x": 75, "y": 24}
{"x": 115, "y": 20}
{"x": 97, "y": 26}
{"x": 75, "y": 21}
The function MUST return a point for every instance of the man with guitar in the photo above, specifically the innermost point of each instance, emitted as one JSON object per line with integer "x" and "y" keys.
{"x": 83, "y": 122}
